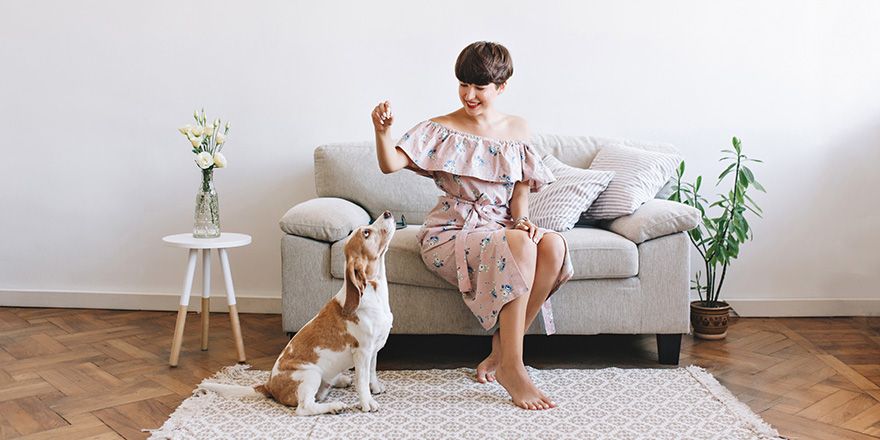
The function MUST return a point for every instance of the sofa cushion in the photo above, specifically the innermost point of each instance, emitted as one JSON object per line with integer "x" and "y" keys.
{"x": 639, "y": 175}
{"x": 325, "y": 219}
{"x": 595, "y": 254}
{"x": 655, "y": 218}
{"x": 559, "y": 205}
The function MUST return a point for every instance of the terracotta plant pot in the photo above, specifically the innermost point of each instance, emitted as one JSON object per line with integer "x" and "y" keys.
{"x": 710, "y": 322}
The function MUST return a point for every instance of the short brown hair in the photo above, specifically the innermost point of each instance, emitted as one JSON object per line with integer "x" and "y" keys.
{"x": 482, "y": 63}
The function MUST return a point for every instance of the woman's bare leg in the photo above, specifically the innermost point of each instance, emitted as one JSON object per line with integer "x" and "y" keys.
{"x": 549, "y": 258}
{"x": 524, "y": 253}
{"x": 551, "y": 255}
{"x": 511, "y": 372}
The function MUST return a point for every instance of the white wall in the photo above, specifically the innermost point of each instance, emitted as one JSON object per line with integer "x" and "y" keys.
{"x": 93, "y": 172}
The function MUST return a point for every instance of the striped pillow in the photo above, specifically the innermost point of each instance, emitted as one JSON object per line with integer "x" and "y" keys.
{"x": 559, "y": 205}
{"x": 639, "y": 175}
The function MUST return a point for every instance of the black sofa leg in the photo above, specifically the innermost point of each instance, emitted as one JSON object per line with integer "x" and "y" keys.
{"x": 668, "y": 348}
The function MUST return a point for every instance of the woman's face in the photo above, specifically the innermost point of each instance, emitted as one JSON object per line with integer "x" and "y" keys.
{"x": 477, "y": 99}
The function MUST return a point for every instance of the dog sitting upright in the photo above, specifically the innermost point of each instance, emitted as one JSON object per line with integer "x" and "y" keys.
{"x": 348, "y": 332}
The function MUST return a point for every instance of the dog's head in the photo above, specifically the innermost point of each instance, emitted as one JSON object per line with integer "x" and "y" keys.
{"x": 363, "y": 258}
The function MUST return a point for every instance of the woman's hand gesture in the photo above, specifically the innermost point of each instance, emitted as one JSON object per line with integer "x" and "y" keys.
{"x": 382, "y": 117}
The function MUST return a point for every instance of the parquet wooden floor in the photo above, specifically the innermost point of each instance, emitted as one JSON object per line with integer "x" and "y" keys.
{"x": 79, "y": 374}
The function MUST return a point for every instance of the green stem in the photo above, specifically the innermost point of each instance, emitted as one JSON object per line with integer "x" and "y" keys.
{"x": 720, "y": 282}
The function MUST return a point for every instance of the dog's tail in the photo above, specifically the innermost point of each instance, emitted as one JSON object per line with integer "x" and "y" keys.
{"x": 236, "y": 391}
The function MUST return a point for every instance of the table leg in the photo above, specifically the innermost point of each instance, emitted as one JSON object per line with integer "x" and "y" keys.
{"x": 181, "y": 312}
{"x": 233, "y": 310}
{"x": 206, "y": 295}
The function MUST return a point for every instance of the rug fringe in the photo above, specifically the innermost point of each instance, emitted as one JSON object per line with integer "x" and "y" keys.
{"x": 761, "y": 428}
{"x": 188, "y": 410}
{"x": 194, "y": 405}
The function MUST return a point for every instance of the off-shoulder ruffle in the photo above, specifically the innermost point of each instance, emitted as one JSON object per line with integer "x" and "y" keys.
{"x": 435, "y": 147}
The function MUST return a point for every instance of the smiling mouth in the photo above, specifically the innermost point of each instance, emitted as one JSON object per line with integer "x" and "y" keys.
{"x": 471, "y": 106}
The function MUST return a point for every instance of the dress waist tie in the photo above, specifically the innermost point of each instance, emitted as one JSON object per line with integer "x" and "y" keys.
{"x": 470, "y": 220}
{"x": 464, "y": 279}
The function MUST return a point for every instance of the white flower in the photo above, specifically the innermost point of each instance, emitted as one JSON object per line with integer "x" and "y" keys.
{"x": 185, "y": 129}
{"x": 209, "y": 130}
{"x": 204, "y": 160}
{"x": 197, "y": 130}
{"x": 221, "y": 138}
{"x": 196, "y": 141}
{"x": 219, "y": 160}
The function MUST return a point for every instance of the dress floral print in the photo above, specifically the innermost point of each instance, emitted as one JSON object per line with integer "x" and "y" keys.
{"x": 462, "y": 239}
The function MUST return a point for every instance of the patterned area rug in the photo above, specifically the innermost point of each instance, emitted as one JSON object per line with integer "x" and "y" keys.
{"x": 612, "y": 403}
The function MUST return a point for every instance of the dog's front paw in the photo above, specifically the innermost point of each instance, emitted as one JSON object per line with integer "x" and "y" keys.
{"x": 369, "y": 405}
{"x": 377, "y": 387}
{"x": 336, "y": 407}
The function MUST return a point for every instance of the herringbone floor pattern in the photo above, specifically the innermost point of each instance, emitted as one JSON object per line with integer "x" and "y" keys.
{"x": 78, "y": 374}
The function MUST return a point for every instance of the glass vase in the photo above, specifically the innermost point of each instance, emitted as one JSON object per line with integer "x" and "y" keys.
{"x": 207, "y": 217}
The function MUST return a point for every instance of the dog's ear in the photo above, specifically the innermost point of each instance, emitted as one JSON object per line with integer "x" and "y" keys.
{"x": 355, "y": 282}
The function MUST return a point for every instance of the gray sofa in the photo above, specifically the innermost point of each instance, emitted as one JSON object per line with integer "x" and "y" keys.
{"x": 630, "y": 274}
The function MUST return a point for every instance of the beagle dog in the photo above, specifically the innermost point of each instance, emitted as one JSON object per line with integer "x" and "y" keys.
{"x": 348, "y": 332}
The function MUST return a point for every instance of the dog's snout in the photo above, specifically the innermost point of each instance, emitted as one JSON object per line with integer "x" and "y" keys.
{"x": 387, "y": 214}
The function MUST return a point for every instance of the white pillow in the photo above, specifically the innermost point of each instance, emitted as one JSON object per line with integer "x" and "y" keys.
{"x": 655, "y": 218}
{"x": 326, "y": 219}
{"x": 638, "y": 176}
{"x": 559, "y": 205}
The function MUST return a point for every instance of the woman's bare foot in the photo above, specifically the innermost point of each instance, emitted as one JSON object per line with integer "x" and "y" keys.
{"x": 515, "y": 379}
{"x": 486, "y": 369}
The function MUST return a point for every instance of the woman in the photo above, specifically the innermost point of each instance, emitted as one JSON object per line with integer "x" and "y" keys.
{"x": 479, "y": 236}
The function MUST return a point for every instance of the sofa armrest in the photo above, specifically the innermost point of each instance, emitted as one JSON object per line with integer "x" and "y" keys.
{"x": 654, "y": 219}
{"x": 326, "y": 219}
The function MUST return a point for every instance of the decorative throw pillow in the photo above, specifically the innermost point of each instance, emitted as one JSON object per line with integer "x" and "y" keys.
{"x": 326, "y": 219}
{"x": 655, "y": 218}
{"x": 638, "y": 175}
{"x": 560, "y": 204}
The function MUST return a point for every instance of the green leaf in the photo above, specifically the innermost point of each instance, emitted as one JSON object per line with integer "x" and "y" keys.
{"x": 699, "y": 182}
{"x": 725, "y": 173}
{"x": 748, "y": 174}
{"x": 758, "y": 186}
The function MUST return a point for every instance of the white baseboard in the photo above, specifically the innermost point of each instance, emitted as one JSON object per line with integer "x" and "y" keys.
{"x": 131, "y": 301}
{"x": 804, "y": 307}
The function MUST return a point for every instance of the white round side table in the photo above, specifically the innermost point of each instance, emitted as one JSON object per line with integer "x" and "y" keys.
{"x": 225, "y": 241}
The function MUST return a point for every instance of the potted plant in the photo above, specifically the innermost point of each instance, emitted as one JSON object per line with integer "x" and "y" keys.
{"x": 718, "y": 239}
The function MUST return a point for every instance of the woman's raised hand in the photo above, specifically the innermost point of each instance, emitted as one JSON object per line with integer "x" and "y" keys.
{"x": 382, "y": 117}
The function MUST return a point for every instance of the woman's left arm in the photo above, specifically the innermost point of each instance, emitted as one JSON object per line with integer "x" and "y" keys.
{"x": 519, "y": 211}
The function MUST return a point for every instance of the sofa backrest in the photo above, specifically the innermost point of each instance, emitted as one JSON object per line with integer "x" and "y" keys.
{"x": 351, "y": 171}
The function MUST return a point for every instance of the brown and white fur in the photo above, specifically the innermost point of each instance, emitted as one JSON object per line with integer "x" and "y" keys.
{"x": 348, "y": 332}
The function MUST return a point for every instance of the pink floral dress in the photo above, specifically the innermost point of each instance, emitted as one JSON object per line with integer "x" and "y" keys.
{"x": 462, "y": 239}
